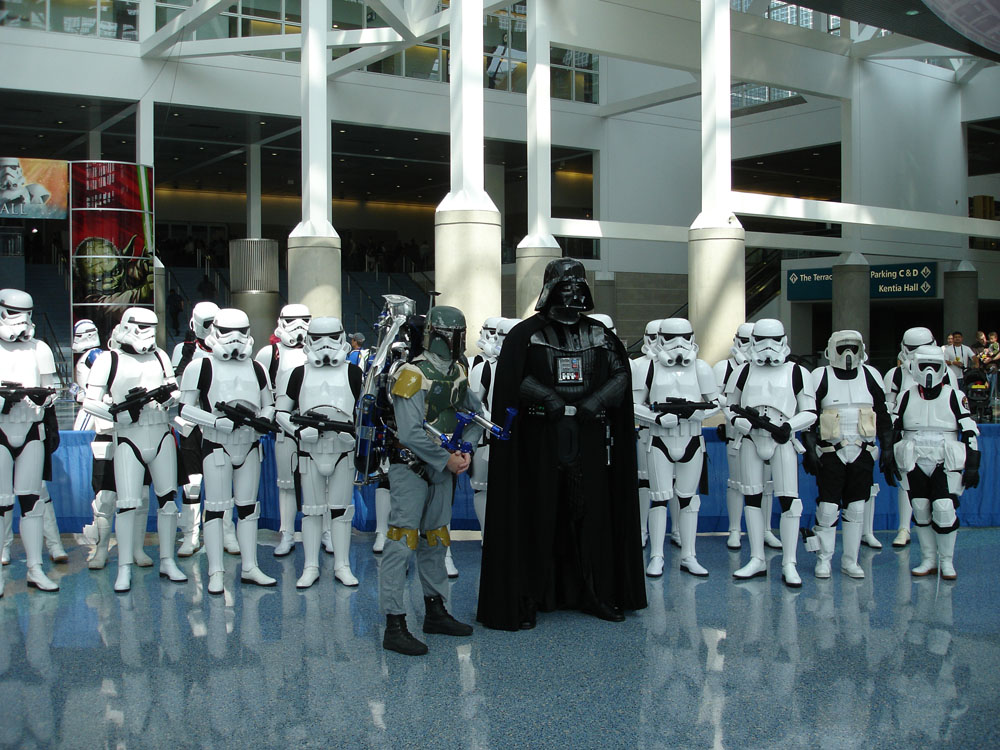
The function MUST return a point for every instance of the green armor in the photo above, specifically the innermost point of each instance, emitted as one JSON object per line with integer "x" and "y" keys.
{"x": 445, "y": 394}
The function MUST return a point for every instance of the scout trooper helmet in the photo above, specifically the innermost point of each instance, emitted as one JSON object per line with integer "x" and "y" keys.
{"x": 768, "y": 343}
{"x": 488, "y": 336}
{"x": 846, "y": 350}
{"x": 651, "y": 338}
{"x": 202, "y": 317}
{"x": 85, "y": 336}
{"x": 606, "y": 320}
{"x": 675, "y": 345}
{"x": 741, "y": 343}
{"x": 136, "y": 333}
{"x": 927, "y": 365}
{"x": 914, "y": 338}
{"x": 326, "y": 342}
{"x": 293, "y": 322}
{"x": 229, "y": 336}
{"x": 15, "y": 315}
{"x": 503, "y": 328}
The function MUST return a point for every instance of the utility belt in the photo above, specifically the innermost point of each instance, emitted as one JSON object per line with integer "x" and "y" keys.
{"x": 829, "y": 447}
{"x": 400, "y": 455}
{"x": 538, "y": 410}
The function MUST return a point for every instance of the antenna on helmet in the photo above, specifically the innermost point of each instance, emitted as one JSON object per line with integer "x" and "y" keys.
{"x": 433, "y": 296}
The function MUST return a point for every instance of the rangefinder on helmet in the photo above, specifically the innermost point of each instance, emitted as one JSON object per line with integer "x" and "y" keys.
{"x": 137, "y": 331}
{"x": 675, "y": 344}
{"x": 326, "y": 342}
{"x": 927, "y": 366}
{"x": 914, "y": 338}
{"x": 651, "y": 338}
{"x": 444, "y": 332}
{"x": 202, "y": 317}
{"x": 85, "y": 336}
{"x": 846, "y": 350}
{"x": 229, "y": 337}
{"x": 293, "y": 322}
{"x": 15, "y": 315}
{"x": 768, "y": 343}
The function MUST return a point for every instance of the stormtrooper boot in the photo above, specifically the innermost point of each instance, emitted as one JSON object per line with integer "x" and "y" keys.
{"x": 141, "y": 517}
{"x": 99, "y": 557}
{"x": 868, "y": 537}
{"x": 3, "y": 541}
{"x": 689, "y": 531}
{"x": 675, "y": 516}
{"x": 756, "y": 566}
{"x": 31, "y": 538}
{"x": 382, "y": 519}
{"x": 191, "y": 524}
{"x": 905, "y": 516}
{"x": 213, "y": 551}
{"x": 657, "y": 522}
{"x": 312, "y": 531}
{"x": 928, "y": 552}
{"x": 229, "y": 540}
{"x": 327, "y": 536}
{"x": 286, "y": 510}
{"x": 946, "y": 554}
{"x": 246, "y": 532}
{"x": 827, "y": 536}
{"x": 770, "y": 540}
{"x": 644, "y": 514}
{"x": 789, "y": 530}
{"x": 7, "y": 519}
{"x": 166, "y": 530}
{"x": 852, "y": 528}
{"x": 449, "y": 564}
{"x": 734, "y": 509}
{"x": 125, "y": 522}
{"x": 50, "y": 530}
{"x": 341, "y": 533}
{"x": 479, "y": 505}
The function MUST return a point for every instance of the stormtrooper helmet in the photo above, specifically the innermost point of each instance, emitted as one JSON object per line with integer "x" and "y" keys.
{"x": 137, "y": 331}
{"x": 293, "y": 322}
{"x": 914, "y": 338}
{"x": 505, "y": 326}
{"x": 326, "y": 343}
{"x": 927, "y": 365}
{"x": 202, "y": 317}
{"x": 846, "y": 350}
{"x": 85, "y": 336}
{"x": 606, "y": 320}
{"x": 15, "y": 315}
{"x": 741, "y": 343}
{"x": 229, "y": 336}
{"x": 650, "y": 339}
{"x": 488, "y": 336}
{"x": 768, "y": 343}
{"x": 675, "y": 345}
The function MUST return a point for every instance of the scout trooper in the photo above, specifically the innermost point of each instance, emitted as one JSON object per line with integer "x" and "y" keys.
{"x": 841, "y": 453}
{"x": 277, "y": 359}
{"x": 640, "y": 365}
{"x": 231, "y": 451}
{"x": 897, "y": 381}
{"x": 937, "y": 456}
{"x": 782, "y": 395}
{"x": 143, "y": 440}
{"x": 27, "y": 363}
{"x": 677, "y": 448}
{"x": 325, "y": 389}
{"x": 724, "y": 370}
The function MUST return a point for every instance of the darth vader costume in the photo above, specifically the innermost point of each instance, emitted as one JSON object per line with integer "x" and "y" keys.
{"x": 564, "y": 529}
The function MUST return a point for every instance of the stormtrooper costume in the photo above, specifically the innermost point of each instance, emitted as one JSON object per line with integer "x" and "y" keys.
{"x": 278, "y": 359}
{"x": 28, "y": 362}
{"x": 189, "y": 457}
{"x": 487, "y": 338}
{"x": 640, "y": 365}
{"x": 677, "y": 449}
{"x": 936, "y": 455}
{"x": 231, "y": 452}
{"x": 841, "y": 449}
{"x": 782, "y": 394}
{"x": 327, "y": 386}
{"x": 897, "y": 381}
{"x": 143, "y": 440}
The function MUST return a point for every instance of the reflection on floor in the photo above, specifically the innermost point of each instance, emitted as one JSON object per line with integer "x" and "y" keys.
{"x": 887, "y": 662}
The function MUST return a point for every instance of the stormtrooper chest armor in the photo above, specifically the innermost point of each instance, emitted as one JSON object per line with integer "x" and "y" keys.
{"x": 19, "y": 362}
{"x": 288, "y": 359}
{"x": 233, "y": 380}
{"x": 930, "y": 418}
{"x": 326, "y": 387}
{"x": 674, "y": 382}
{"x": 771, "y": 387}
{"x": 136, "y": 371}
{"x": 846, "y": 395}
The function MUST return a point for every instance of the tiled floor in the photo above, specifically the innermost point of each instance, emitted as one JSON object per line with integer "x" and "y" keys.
{"x": 888, "y": 662}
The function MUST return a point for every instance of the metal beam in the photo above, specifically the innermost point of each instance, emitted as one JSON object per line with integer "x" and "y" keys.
{"x": 113, "y": 120}
{"x": 969, "y": 70}
{"x": 919, "y": 51}
{"x": 359, "y": 58}
{"x": 394, "y": 14}
{"x": 253, "y": 45}
{"x": 758, "y": 7}
{"x": 675, "y": 94}
{"x": 188, "y": 21}
{"x": 881, "y": 45}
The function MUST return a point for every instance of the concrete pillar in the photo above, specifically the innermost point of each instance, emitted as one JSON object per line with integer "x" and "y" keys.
{"x": 94, "y": 145}
{"x": 961, "y": 302}
{"x": 253, "y": 281}
{"x": 467, "y": 223}
{"x": 852, "y": 295}
{"x": 144, "y": 132}
{"x": 314, "y": 245}
{"x": 253, "y": 191}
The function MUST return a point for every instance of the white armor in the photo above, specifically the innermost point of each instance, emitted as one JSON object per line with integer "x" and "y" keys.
{"x": 231, "y": 463}
{"x": 143, "y": 439}
{"x": 293, "y": 322}
{"x": 846, "y": 414}
{"x": 323, "y": 387}
{"x": 487, "y": 339}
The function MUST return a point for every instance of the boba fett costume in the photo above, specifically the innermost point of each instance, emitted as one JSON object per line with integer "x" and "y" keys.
{"x": 432, "y": 388}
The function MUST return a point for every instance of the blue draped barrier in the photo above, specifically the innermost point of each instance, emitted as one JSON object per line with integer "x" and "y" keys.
{"x": 71, "y": 490}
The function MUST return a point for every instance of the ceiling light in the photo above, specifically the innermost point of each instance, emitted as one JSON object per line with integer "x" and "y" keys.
{"x": 343, "y": 160}
{"x": 343, "y": 131}
{"x": 59, "y": 122}
{"x": 371, "y": 174}
{"x": 41, "y": 135}
{"x": 177, "y": 158}
{"x": 201, "y": 148}
{"x": 274, "y": 153}
{"x": 913, "y": 12}
{"x": 263, "y": 122}
{"x": 760, "y": 162}
{"x": 815, "y": 153}
{"x": 177, "y": 114}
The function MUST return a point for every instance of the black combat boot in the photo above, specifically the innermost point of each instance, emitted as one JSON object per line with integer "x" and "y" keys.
{"x": 437, "y": 619}
{"x": 397, "y": 638}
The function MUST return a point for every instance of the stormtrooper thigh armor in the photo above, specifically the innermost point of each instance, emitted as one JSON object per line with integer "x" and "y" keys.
{"x": 675, "y": 464}
{"x": 326, "y": 473}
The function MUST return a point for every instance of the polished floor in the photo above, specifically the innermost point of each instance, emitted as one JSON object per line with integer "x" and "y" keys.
{"x": 884, "y": 663}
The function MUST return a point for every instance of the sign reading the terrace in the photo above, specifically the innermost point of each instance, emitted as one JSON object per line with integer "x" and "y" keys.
{"x": 897, "y": 280}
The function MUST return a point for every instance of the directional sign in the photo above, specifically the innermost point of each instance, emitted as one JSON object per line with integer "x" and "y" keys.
{"x": 896, "y": 280}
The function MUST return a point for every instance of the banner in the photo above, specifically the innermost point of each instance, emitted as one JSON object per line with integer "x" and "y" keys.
{"x": 894, "y": 280}
{"x": 111, "y": 235}
{"x": 33, "y": 188}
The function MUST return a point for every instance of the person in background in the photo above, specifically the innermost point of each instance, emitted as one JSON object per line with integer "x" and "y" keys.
{"x": 175, "y": 306}
{"x": 991, "y": 362}
{"x": 959, "y": 358}
{"x": 358, "y": 355}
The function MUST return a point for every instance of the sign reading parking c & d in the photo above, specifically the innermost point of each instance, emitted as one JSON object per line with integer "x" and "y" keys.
{"x": 897, "y": 280}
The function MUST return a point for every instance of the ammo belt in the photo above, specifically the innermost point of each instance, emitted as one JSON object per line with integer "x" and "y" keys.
{"x": 398, "y": 455}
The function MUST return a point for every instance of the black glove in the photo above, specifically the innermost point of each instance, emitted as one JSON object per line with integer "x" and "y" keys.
{"x": 589, "y": 408}
{"x": 162, "y": 398}
{"x": 970, "y": 477}
{"x": 784, "y": 435}
{"x": 721, "y": 432}
{"x": 887, "y": 459}
{"x": 810, "y": 461}
{"x": 533, "y": 391}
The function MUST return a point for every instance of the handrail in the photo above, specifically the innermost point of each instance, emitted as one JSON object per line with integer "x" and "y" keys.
{"x": 371, "y": 300}
{"x": 57, "y": 351}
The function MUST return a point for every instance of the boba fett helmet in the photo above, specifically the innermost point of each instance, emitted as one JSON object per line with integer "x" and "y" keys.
{"x": 444, "y": 332}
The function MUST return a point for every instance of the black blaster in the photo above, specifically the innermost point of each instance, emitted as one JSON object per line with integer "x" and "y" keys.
{"x": 321, "y": 423}
{"x": 681, "y": 407}
{"x": 778, "y": 432}
{"x": 138, "y": 397}
{"x": 13, "y": 392}
{"x": 243, "y": 416}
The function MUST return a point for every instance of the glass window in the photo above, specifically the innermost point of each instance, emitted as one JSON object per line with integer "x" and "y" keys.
{"x": 220, "y": 27}
{"x": 71, "y": 17}
{"x": 293, "y": 10}
{"x": 262, "y": 8}
{"x": 562, "y": 83}
{"x": 23, "y": 13}
{"x": 423, "y": 62}
{"x": 586, "y": 88}
{"x": 392, "y": 65}
{"x": 252, "y": 27}
{"x": 120, "y": 20}
{"x": 347, "y": 14}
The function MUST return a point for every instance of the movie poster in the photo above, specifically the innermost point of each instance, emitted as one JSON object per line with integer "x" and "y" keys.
{"x": 111, "y": 222}
{"x": 33, "y": 188}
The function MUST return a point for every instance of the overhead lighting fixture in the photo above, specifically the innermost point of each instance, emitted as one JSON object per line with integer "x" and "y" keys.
{"x": 343, "y": 131}
{"x": 913, "y": 12}
{"x": 263, "y": 122}
{"x": 176, "y": 114}
{"x": 760, "y": 162}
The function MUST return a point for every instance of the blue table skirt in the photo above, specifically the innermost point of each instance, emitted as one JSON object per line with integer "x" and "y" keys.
{"x": 71, "y": 491}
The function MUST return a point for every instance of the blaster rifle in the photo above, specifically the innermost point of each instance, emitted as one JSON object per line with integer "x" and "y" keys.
{"x": 454, "y": 443}
{"x": 681, "y": 407}
{"x": 138, "y": 397}
{"x": 243, "y": 416}
{"x": 13, "y": 392}
{"x": 756, "y": 420}
{"x": 321, "y": 423}
{"x": 495, "y": 430}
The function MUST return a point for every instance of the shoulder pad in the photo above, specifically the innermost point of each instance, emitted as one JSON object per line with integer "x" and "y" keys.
{"x": 408, "y": 381}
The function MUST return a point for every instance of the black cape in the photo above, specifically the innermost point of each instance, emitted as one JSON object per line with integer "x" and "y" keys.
{"x": 521, "y": 483}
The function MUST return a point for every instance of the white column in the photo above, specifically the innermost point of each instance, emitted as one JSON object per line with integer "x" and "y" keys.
{"x": 94, "y": 148}
{"x": 539, "y": 247}
{"x": 716, "y": 240}
{"x": 467, "y": 223}
{"x": 144, "y": 132}
{"x": 253, "y": 192}
{"x": 314, "y": 245}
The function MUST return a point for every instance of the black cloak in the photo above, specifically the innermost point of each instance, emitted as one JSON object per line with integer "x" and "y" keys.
{"x": 519, "y": 562}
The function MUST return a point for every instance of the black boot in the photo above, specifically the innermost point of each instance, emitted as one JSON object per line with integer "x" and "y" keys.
{"x": 397, "y": 638}
{"x": 437, "y": 619}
